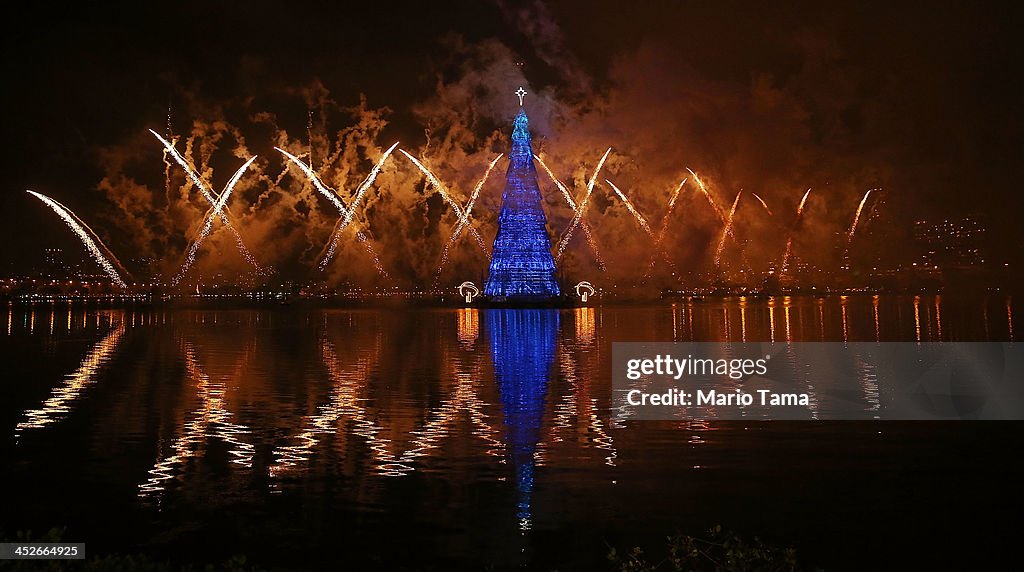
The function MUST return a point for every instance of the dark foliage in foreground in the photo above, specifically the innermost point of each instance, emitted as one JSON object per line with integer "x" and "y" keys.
{"x": 721, "y": 551}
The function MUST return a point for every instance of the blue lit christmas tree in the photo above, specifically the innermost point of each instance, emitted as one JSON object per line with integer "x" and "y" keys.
{"x": 521, "y": 264}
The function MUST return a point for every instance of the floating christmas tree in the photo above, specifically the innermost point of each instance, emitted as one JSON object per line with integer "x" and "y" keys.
{"x": 521, "y": 263}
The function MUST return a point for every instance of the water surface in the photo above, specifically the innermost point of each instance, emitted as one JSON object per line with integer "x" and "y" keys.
{"x": 464, "y": 437}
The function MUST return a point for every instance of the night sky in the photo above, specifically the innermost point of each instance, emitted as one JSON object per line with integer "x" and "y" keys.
{"x": 922, "y": 100}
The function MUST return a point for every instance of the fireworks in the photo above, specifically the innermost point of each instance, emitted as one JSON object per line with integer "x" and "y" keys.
{"x": 216, "y": 210}
{"x": 728, "y": 228}
{"x": 643, "y": 222}
{"x": 346, "y": 213}
{"x": 856, "y": 216}
{"x": 440, "y": 188}
{"x": 464, "y": 219}
{"x": 366, "y": 184}
{"x": 326, "y": 191}
{"x": 763, "y": 204}
{"x": 800, "y": 208}
{"x": 785, "y": 257}
{"x": 572, "y": 204}
{"x": 789, "y": 239}
{"x": 92, "y": 244}
{"x": 639, "y": 218}
{"x": 853, "y": 226}
{"x": 361, "y": 237}
{"x": 347, "y": 204}
{"x": 582, "y": 207}
{"x": 704, "y": 189}
{"x": 346, "y": 218}
{"x": 664, "y": 227}
{"x": 210, "y": 197}
{"x": 559, "y": 184}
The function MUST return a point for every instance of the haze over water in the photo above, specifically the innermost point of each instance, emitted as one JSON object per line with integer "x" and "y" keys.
{"x": 467, "y": 436}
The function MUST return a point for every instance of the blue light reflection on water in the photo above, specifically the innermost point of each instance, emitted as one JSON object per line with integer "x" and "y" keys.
{"x": 434, "y": 421}
{"x": 523, "y": 348}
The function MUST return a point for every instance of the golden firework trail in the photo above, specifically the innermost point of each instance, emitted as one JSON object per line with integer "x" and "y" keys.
{"x": 763, "y": 204}
{"x": 704, "y": 189}
{"x": 346, "y": 213}
{"x": 210, "y": 197}
{"x": 361, "y": 237}
{"x": 440, "y": 188}
{"x": 464, "y": 219}
{"x": 217, "y": 208}
{"x": 785, "y": 257}
{"x": 643, "y": 224}
{"x": 582, "y": 207}
{"x": 664, "y": 227}
{"x": 856, "y": 219}
{"x": 856, "y": 216}
{"x": 326, "y": 191}
{"x": 92, "y": 245}
{"x": 728, "y": 228}
{"x": 99, "y": 242}
{"x": 329, "y": 249}
{"x": 629, "y": 205}
{"x": 366, "y": 185}
{"x": 789, "y": 240}
{"x": 800, "y": 208}
{"x": 561, "y": 187}
{"x": 572, "y": 204}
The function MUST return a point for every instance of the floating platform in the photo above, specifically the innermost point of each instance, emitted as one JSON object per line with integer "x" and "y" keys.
{"x": 526, "y": 302}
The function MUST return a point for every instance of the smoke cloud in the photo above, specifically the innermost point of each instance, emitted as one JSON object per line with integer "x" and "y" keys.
{"x": 767, "y": 135}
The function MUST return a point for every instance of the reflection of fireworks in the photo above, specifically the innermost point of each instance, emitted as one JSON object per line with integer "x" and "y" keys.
{"x": 349, "y": 404}
{"x": 93, "y": 245}
{"x": 639, "y": 218}
{"x": 582, "y": 207}
{"x": 464, "y": 219}
{"x": 440, "y": 188}
{"x": 211, "y": 419}
{"x": 728, "y": 228}
{"x": 572, "y": 204}
{"x": 59, "y": 403}
{"x": 578, "y": 402}
{"x": 217, "y": 209}
{"x": 789, "y": 240}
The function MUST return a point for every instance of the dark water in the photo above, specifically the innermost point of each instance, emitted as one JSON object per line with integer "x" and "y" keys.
{"x": 464, "y": 438}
